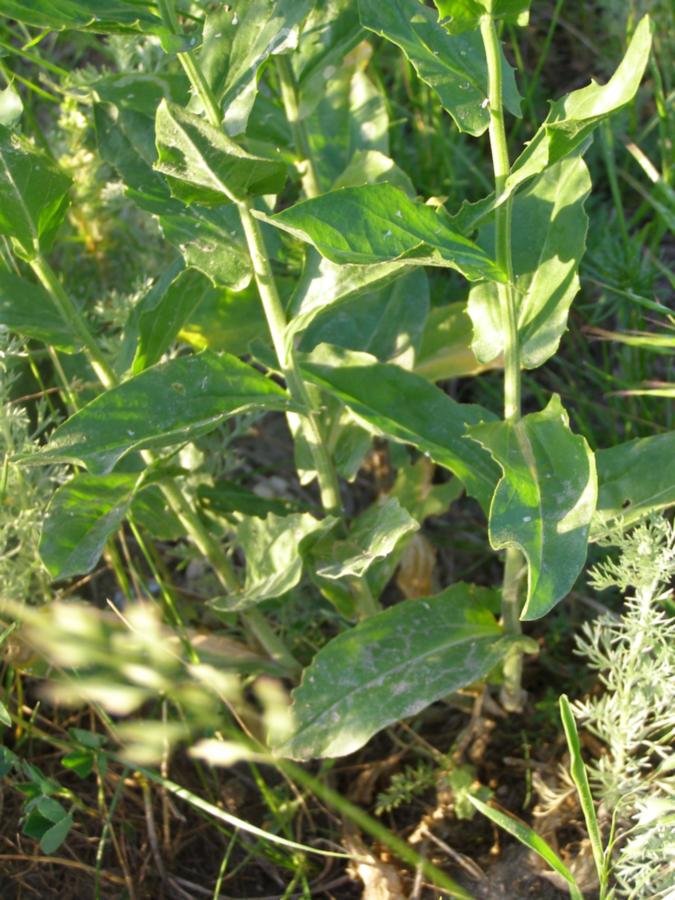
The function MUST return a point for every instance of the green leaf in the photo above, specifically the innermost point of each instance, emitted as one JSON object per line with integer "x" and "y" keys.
{"x": 529, "y": 838}
{"x": 453, "y": 65}
{"x": 51, "y": 809}
{"x": 373, "y": 535}
{"x": 544, "y": 501}
{"x": 52, "y": 839}
{"x": 549, "y": 238}
{"x": 227, "y": 497}
{"x": 238, "y": 40}
{"x": 351, "y": 118}
{"x": 374, "y": 167}
{"x": 379, "y": 223}
{"x": 79, "y": 761}
{"x": 5, "y": 718}
{"x": 635, "y": 479}
{"x": 81, "y": 516}
{"x": 27, "y": 309}
{"x": 330, "y": 32}
{"x": 161, "y": 319}
{"x": 407, "y": 408}
{"x": 464, "y": 15}
{"x": 389, "y": 667}
{"x": 142, "y": 92}
{"x": 113, "y": 16}
{"x": 272, "y": 547}
{"x": 388, "y": 323}
{"x": 33, "y": 194}
{"x": 445, "y": 351}
{"x": 11, "y": 107}
{"x": 171, "y": 402}
{"x": 212, "y": 241}
{"x": 203, "y": 165}
{"x": 226, "y": 320}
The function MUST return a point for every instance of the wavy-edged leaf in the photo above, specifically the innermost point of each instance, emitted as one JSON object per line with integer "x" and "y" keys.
{"x": 379, "y": 223}
{"x": 168, "y": 403}
{"x": 26, "y": 308}
{"x": 549, "y": 227}
{"x": 203, "y": 165}
{"x": 272, "y": 547}
{"x": 238, "y": 40}
{"x": 464, "y": 15}
{"x": 92, "y": 15}
{"x": 453, "y": 65}
{"x": 635, "y": 479}
{"x": 569, "y": 125}
{"x": 544, "y": 501}
{"x": 391, "y": 666}
{"x": 407, "y": 408}
{"x": 33, "y": 194}
{"x": 81, "y": 516}
{"x": 373, "y": 535}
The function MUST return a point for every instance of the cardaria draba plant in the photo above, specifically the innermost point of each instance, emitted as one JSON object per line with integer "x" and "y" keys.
{"x": 330, "y": 296}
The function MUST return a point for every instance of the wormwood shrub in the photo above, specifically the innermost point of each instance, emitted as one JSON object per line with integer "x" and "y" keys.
{"x": 300, "y": 255}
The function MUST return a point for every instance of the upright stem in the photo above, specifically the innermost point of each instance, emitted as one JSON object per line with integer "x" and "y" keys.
{"x": 199, "y": 534}
{"x": 289, "y": 97}
{"x": 276, "y": 320}
{"x": 512, "y": 693}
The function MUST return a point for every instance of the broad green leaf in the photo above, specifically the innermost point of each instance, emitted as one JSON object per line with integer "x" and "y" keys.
{"x": 330, "y": 32}
{"x": 171, "y": 402}
{"x": 111, "y": 16}
{"x": 238, "y": 40}
{"x": 203, "y": 165}
{"x": 33, "y": 194}
{"x": 11, "y": 107}
{"x": 528, "y": 837}
{"x": 453, "y": 65}
{"x": 544, "y": 501}
{"x": 415, "y": 491}
{"x": 227, "y": 497}
{"x": 464, "y": 15}
{"x": 351, "y": 117}
{"x": 635, "y": 479}
{"x": 142, "y": 92}
{"x": 379, "y": 223}
{"x": 374, "y": 167}
{"x": 387, "y": 323}
{"x": 407, "y": 408}
{"x": 389, "y": 667}
{"x": 324, "y": 283}
{"x": 81, "y": 516}
{"x": 52, "y": 839}
{"x": 161, "y": 319}
{"x": 27, "y": 309}
{"x": 126, "y": 140}
{"x": 212, "y": 241}
{"x": 549, "y": 238}
{"x": 272, "y": 547}
{"x": 373, "y": 535}
{"x": 446, "y": 351}
{"x": 226, "y": 320}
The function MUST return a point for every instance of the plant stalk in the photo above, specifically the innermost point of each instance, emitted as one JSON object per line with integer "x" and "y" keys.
{"x": 198, "y": 533}
{"x": 289, "y": 97}
{"x": 512, "y": 694}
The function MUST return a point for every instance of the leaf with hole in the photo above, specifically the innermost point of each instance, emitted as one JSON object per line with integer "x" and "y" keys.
{"x": 544, "y": 501}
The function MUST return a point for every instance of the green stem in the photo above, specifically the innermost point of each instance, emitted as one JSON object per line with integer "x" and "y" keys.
{"x": 512, "y": 693}
{"x": 277, "y": 323}
{"x": 289, "y": 97}
{"x": 181, "y": 506}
